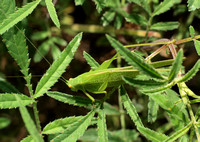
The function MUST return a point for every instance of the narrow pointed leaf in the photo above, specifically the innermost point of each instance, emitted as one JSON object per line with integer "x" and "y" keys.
{"x": 27, "y": 139}
{"x": 179, "y": 133}
{"x": 100, "y": 4}
{"x": 71, "y": 99}
{"x": 142, "y": 83}
{"x": 191, "y": 73}
{"x": 164, "y": 6}
{"x": 197, "y": 46}
{"x": 31, "y": 127}
{"x": 72, "y": 133}
{"x": 131, "y": 110}
{"x": 107, "y": 17}
{"x": 176, "y": 66}
{"x": 19, "y": 15}
{"x": 134, "y": 59}
{"x": 101, "y": 124}
{"x": 91, "y": 61}
{"x": 152, "y": 135}
{"x": 59, "y": 125}
{"x": 8, "y": 101}
{"x": 165, "y": 26}
{"x": 58, "y": 67}
{"x": 52, "y": 12}
{"x": 7, "y": 87}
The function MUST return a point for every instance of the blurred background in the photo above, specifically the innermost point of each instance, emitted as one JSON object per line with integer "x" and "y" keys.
{"x": 44, "y": 37}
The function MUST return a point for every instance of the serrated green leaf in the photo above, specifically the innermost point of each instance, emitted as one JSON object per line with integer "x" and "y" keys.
{"x": 134, "y": 59}
{"x": 71, "y": 99}
{"x": 108, "y": 16}
{"x": 7, "y": 87}
{"x": 193, "y": 5}
{"x": 130, "y": 108}
{"x": 91, "y": 61}
{"x": 197, "y": 46}
{"x": 8, "y": 101}
{"x": 164, "y": 6}
{"x": 152, "y": 135}
{"x": 59, "y": 125}
{"x": 6, "y": 7}
{"x": 190, "y": 73}
{"x": 142, "y": 83}
{"x": 101, "y": 124}
{"x": 136, "y": 19}
{"x": 168, "y": 101}
{"x": 16, "y": 45}
{"x": 58, "y": 67}
{"x": 4, "y": 122}
{"x": 192, "y": 31}
{"x": 152, "y": 110}
{"x": 31, "y": 127}
{"x": 100, "y": 4}
{"x": 19, "y": 15}
{"x": 52, "y": 12}
{"x": 79, "y": 2}
{"x": 176, "y": 66}
{"x": 165, "y": 26}
{"x": 118, "y": 21}
{"x": 179, "y": 133}
{"x": 27, "y": 139}
{"x": 144, "y": 4}
{"x": 55, "y": 51}
{"x": 76, "y": 129}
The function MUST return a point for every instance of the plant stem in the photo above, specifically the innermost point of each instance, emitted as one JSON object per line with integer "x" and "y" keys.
{"x": 122, "y": 113}
{"x": 37, "y": 120}
{"x": 186, "y": 101}
{"x": 148, "y": 28}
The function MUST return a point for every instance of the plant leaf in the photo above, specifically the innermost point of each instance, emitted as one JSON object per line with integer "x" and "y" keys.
{"x": 176, "y": 66}
{"x": 179, "y": 133}
{"x": 136, "y": 19}
{"x": 52, "y": 12}
{"x": 71, "y": 99}
{"x": 130, "y": 108}
{"x": 197, "y": 46}
{"x": 19, "y": 15}
{"x": 58, "y": 67}
{"x": 79, "y": 2}
{"x": 152, "y": 110}
{"x": 164, "y": 6}
{"x": 6, "y": 7}
{"x": 100, "y": 4}
{"x": 192, "y": 31}
{"x": 108, "y": 16}
{"x": 28, "y": 121}
{"x": 27, "y": 139}
{"x": 193, "y": 4}
{"x": 164, "y": 26}
{"x": 72, "y": 133}
{"x": 142, "y": 83}
{"x": 101, "y": 124}
{"x": 190, "y": 73}
{"x": 134, "y": 59}
{"x": 59, "y": 125}
{"x": 4, "y": 122}
{"x": 91, "y": 61}
{"x": 8, "y": 100}
{"x": 152, "y": 135}
{"x": 7, "y": 87}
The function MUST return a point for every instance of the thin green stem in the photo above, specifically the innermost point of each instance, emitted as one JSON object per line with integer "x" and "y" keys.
{"x": 148, "y": 27}
{"x": 36, "y": 115}
{"x": 186, "y": 101}
{"x": 122, "y": 113}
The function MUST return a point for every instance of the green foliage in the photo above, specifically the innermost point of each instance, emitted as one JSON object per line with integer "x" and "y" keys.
{"x": 168, "y": 111}
{"x": 4, "y": 122}
{"x": 8, "y": 100}
{"x": 58, "y": 67}
{"x": 17, "y": 16}
{"x": 52, "y": 12}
